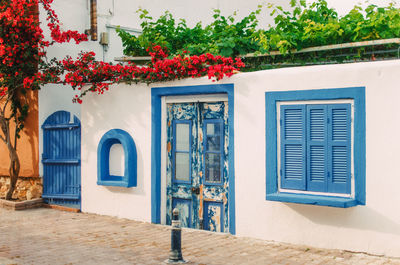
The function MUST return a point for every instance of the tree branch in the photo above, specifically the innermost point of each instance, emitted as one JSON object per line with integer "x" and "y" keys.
{"x": 3, "y": 139}
{"x": 5, "y": 105}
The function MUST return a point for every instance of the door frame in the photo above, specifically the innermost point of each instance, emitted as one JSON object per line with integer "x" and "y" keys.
{"x": 158, "y": 103}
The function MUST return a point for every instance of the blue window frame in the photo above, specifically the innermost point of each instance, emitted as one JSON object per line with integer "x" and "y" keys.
{"x": 316, "y": 146}
{"x": 213, "y": 144}
{"x": 129, "y": 179}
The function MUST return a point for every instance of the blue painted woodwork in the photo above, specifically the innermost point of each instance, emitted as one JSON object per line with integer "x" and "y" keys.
{"x": 322, "y": 200}
{"x": 176, "y": 151}
{"x": 156, "y": 94}
{"x": 61, "y": 159}
{"x": 293, "y": 145}
{"x": 177, "y": 114}
{"x": 185, "y": 211}
{"x": 328, "y": 142}
{"x": 61, "y": 126}
{"x": 213, "y": 216}
{"x": 204, "y": 121}
{"x": 339, "y": 148}
{"x": 271, "y": 100}
{"x": 317, "y": 148}
{"x": 129, "y": 179}
{"x": 209, "y": 138}
{"x": 61, "y": 196}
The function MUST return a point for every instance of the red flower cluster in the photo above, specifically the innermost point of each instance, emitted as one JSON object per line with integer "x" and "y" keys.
{"x": 3, "y": 91}
{"x": 22, "y": 52}
{"x": 54, "y": 25}
{"x": 157, "y": 53}
{"x": 22, "y": 45}
{"x": 19, "y": 34}
{"x": 86, "y": 74}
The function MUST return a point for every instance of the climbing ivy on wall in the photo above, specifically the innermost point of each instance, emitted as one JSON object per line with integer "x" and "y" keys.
{"x": 304, "y": 25}
{"x": 317, "y": 24}
{"x": 223, "y": 36}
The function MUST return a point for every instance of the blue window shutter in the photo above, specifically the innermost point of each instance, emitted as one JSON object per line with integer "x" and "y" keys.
{"x": 339, "y": 146}
{"x": 317, "y": 154}
{"x": 293, "y": 147}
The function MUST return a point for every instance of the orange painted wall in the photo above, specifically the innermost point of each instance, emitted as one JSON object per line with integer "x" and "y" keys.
{"x": 28, "y": 144}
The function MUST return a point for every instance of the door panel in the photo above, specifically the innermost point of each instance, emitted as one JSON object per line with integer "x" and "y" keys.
{"x": 181, "y": 160}
{"x": 213, "y": 216}
{"x": 197, "y": 167}
{"x": 61, "y": 159}
{"x": 185, "y": 210}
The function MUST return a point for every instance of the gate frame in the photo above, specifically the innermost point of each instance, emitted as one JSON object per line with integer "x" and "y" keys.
{"x": 156, "y": 126}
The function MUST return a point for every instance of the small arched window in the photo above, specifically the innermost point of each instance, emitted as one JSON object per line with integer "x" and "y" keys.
{"x": 129, "y": 179}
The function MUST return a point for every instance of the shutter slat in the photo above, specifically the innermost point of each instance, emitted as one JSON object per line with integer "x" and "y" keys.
{"x": 339, "y": 124}
{"x": 317, "y": 148}
{"x": 293, "y": 147}
{"x": 293, "y": 124}
{"x": 339, "y": 164}
{"x": 340, "y": 148}
{"x": 317, "y": 163}
{"x": 317, "y": 122}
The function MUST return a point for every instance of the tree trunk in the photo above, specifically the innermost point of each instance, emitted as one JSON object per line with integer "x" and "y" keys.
{"x": 14, "y": 170}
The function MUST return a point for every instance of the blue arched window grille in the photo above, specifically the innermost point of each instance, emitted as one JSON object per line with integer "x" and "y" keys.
{"x": 129, "y": 179}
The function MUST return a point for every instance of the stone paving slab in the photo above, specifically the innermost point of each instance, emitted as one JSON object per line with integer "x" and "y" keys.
{"x": 48, "y": 236}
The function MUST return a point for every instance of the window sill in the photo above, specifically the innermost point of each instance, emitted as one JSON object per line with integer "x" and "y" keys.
{"x": 114, "y": 183}
{"x": 313, "y": 199}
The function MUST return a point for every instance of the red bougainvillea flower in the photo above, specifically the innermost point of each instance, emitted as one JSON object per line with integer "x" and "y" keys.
{"x": 87, "y": 75}
{"x": 23, "y": 57}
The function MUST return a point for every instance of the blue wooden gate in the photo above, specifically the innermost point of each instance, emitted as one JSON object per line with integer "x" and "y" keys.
{"x": 61, "y": 159}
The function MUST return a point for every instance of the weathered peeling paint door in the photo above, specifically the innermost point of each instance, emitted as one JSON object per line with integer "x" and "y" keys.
{"x": 197, "y": 164}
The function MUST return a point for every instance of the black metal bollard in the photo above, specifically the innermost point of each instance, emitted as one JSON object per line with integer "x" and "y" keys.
{"x": 175, "y": 254}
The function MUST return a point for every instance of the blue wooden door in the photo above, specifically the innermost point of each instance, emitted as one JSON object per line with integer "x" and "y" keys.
{"x": 197, "y": 164}
{"x": 61, "y": 159}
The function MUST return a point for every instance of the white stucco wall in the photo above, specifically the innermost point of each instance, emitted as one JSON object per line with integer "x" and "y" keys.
{"x": 374, "y": 228}
{"x": 75, "y": 15}
{"x": 132, "y": 114}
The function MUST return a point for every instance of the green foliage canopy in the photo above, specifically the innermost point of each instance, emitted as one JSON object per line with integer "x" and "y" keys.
{"x": 302, "y": 26}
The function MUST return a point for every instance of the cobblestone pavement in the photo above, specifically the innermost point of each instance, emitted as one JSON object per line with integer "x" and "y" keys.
{"x": 47, "y": 236}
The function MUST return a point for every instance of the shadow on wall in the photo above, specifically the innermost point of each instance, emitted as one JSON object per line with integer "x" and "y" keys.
{"x": 359, "y": 217}
{"x": 96, "y": 119}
